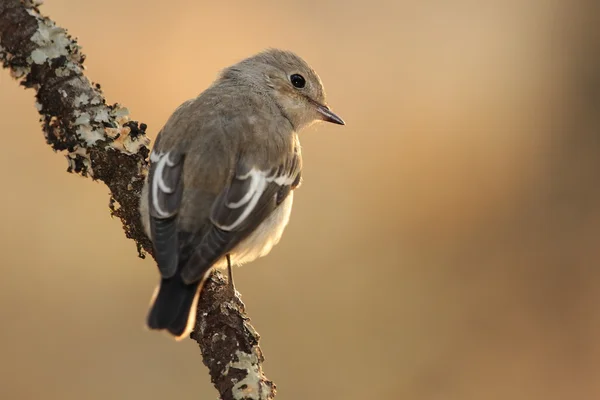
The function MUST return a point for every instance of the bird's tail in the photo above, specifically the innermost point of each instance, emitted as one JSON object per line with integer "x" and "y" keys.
{"x": 173, "y": 306}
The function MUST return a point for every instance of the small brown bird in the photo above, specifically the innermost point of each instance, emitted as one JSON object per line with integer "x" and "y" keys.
{"x": 223, "y": 170}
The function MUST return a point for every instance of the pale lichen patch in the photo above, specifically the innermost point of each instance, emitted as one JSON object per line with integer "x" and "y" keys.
{"x": 121, "y": 114}
{"x": 52, "y": 41}
{"x": 101, "y": 115}
{"x": 125, "y": 142}
{"x": 89, "y": 134}
{"x": 62, "y": 72}
{"x": 81, "y": 118}
{"x": 122, "y": 139}
{"x": 80, "y": 100}
{"x": 252, "y": 386}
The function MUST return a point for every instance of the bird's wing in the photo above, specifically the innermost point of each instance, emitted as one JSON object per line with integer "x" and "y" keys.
{"x": 164, "y": 199}
{"x": 251, "y": 195}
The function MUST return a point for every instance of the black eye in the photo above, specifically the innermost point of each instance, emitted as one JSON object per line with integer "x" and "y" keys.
{"x": 298, "y": 81}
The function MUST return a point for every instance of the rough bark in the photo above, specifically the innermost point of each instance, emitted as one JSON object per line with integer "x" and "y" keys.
{"x": 101, "y": 141}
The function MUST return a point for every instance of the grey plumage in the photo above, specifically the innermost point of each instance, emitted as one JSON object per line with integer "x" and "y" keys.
{"x": 223, "y": 170}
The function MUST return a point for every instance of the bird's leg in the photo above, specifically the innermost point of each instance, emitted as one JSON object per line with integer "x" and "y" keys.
{"x": 230, "y": 273}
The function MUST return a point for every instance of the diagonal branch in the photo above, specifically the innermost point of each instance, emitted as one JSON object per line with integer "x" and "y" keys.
{"x": 102, "y": 142}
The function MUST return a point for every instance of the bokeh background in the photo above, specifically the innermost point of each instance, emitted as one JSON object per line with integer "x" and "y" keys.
{"x": 445, "y": 244}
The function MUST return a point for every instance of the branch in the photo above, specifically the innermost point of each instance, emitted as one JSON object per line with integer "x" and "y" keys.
{"x": 102, "y": 142}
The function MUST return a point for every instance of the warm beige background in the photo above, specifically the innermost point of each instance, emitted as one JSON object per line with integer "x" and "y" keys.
{"x": 445, "y": 243}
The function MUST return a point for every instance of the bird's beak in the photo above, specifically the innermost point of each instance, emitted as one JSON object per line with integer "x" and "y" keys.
{"x": 328, "y": 115}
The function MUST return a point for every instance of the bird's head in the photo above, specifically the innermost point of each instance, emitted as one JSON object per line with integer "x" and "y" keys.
{"x": 293, "y": 84}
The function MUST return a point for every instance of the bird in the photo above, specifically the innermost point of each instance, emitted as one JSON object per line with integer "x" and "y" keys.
{"x": 222, "y": 175}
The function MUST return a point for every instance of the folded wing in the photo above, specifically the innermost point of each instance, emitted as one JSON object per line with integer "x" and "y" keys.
{"x": 165, "y": 193}
{"x": 240, "y": 208}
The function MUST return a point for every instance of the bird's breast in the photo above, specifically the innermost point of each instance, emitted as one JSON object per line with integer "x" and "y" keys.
{"x": 269, "y": 232}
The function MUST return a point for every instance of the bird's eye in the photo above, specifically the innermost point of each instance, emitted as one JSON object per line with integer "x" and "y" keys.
{"x": 298, "y": 81}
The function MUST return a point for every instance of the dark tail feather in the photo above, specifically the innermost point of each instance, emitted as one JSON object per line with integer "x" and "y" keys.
{"x": 174, "y": 306}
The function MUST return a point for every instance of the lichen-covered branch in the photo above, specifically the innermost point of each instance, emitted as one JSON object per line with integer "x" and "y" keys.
{"x": 101, "y": 141}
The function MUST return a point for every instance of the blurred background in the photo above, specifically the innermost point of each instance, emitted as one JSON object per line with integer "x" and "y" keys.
{"x": 444, "y": 244}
